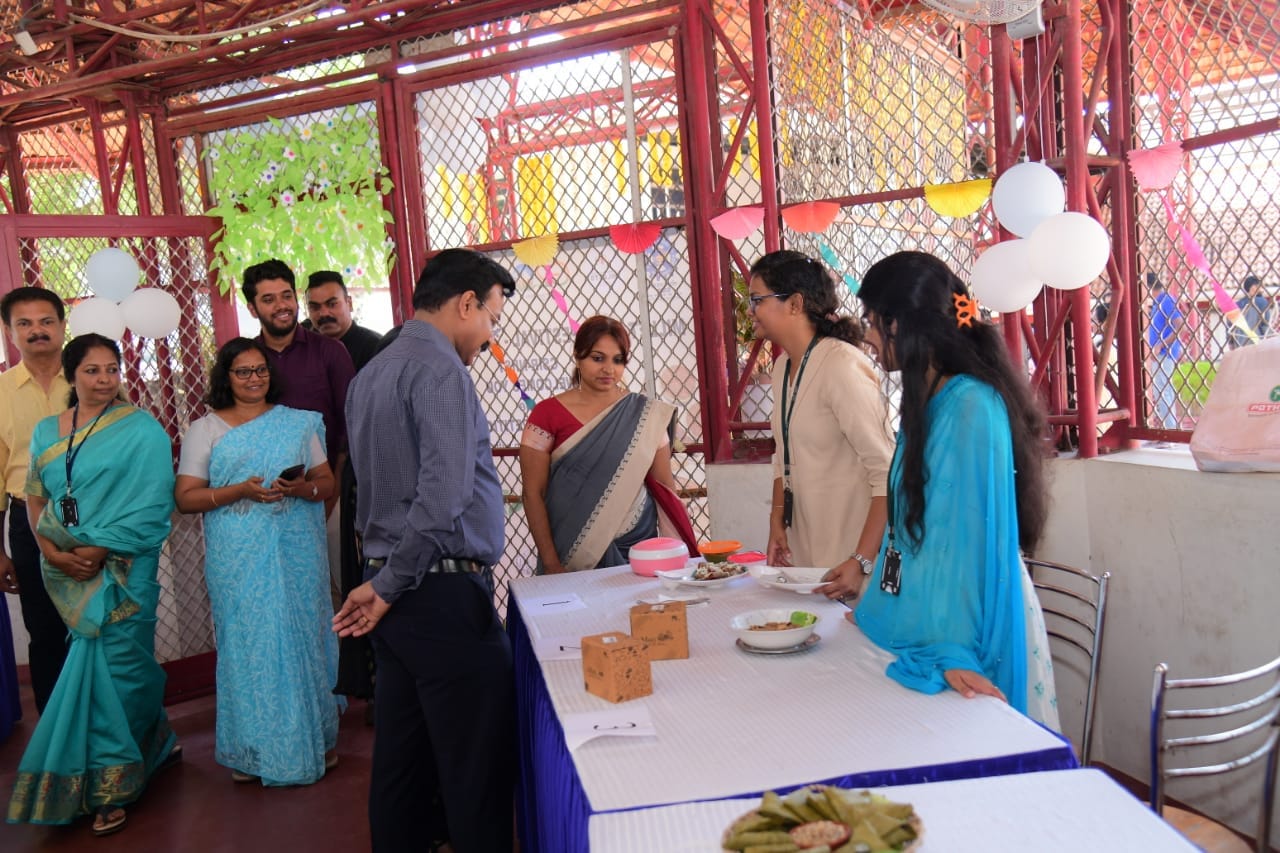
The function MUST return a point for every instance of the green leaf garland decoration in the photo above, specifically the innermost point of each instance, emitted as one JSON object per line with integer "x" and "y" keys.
{"x": 307, "y": 190}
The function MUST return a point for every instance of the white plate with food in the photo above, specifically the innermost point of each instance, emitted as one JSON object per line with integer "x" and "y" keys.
{"x": 703, "y": 574}
{"x": 801, "y": 579}
{"x": 774, "y": 629}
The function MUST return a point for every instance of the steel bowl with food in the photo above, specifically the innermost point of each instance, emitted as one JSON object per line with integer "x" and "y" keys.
{"x": 774, "y": 628}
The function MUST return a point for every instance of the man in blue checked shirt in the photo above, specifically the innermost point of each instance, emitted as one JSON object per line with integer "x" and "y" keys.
{"x": 432, "y": 524}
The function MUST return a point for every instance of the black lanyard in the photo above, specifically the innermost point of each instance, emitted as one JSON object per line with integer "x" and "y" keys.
{"x": 788, "y": 412}
{"x": 71, "y": 440}
{"x": 891, "y": 570}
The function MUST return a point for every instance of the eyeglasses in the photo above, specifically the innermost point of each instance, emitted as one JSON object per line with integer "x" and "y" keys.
{"x": 262, "y": 371}
{"x": 755, "y": 300}
{"x": 494, "y": 323}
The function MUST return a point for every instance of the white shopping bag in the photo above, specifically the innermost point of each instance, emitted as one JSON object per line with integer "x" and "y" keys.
{"x": 1239, "y": 429}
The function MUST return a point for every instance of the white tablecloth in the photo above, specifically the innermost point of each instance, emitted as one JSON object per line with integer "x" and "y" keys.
{"x": 730, "y": 723}
{"x": 1063, "y": 811}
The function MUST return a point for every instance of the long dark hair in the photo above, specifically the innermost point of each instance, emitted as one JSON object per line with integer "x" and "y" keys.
{"x": 592, "y": 330}
{"x": 220, "y": 396}
{"x": 788, "y": 272}
{"x": 75, "y": 352}
{"x": 917, "y": 291}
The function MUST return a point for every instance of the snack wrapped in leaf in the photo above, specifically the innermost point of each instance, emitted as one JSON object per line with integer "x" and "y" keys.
{"x": 824, "y": 818}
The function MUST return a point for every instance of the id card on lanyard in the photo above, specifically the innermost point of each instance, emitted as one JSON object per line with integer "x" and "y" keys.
{"x": 788, "y": 498}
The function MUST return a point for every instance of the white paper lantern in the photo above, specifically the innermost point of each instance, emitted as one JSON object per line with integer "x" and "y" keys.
{"x": 112, "y": 273}
{"x": 1026, "y": 195}
{"x": 102, "y": 316}
{"x": 1002, "y": 277}
{"x": 151, "y": 312}
{"x": 1069, "y": 250}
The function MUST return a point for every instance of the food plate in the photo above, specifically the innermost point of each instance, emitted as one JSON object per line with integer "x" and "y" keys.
{"x": 801, "y": 579}
{"x": 790, "y": 650}
{"x": 847, "y": 820}
{"x": 685, "y": 576}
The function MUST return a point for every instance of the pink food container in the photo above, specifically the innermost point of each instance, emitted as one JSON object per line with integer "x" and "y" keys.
{"x": 748, "y": 558}
{"x": 658, "y": 555}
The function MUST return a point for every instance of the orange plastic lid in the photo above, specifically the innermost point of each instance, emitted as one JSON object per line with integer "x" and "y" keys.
{"x": 720, "y": 546}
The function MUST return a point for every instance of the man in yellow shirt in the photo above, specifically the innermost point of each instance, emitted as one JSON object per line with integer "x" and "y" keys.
{"x": 32, "y": 389}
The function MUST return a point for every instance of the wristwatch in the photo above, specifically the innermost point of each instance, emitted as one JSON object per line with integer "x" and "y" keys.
{"x": 867, "y": 565}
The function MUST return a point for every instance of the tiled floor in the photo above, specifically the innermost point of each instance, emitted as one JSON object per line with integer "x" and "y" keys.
{"x": 196, "y": 807}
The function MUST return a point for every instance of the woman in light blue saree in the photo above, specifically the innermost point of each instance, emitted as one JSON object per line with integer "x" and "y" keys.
{"x": 99, "y": 496}
{"x": 258, "y": 473}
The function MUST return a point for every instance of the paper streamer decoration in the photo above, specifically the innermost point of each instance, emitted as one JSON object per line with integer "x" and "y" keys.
{"x": 634, "y": 238}
{"x": 540, "y": 252}
{"x": 1196, "y": 258}
{"x": 814, "y": 217}
{"x": 1155, "y": 168}
{"x": 738, "y": 222}
{"x": 501, "y": 356}
{"x": 833, "y": 261}
{"x": 958, "y": 199}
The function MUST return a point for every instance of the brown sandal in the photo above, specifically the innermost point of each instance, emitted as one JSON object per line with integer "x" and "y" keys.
{"x": 108, "y": 819}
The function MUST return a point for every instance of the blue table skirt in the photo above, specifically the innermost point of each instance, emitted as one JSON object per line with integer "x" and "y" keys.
{"x": 552, "y": 809}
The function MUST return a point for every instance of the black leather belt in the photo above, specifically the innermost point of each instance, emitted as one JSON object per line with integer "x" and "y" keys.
{"x": 446, "y": 566}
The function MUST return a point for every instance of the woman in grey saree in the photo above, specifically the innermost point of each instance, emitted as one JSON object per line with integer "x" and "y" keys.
{"x": 596, "y": 462}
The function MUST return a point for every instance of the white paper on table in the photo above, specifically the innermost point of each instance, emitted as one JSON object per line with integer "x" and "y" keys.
{"x": 562, "y": 603}
{"x": 557, "y": 648}
{"x": 631, "y": 721}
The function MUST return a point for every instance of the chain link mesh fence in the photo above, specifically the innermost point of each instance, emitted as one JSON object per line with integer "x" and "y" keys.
{"x": 1205, "y": 69}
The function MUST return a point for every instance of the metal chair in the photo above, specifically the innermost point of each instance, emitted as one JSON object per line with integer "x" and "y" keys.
{"x": 1261, "y": 708}
{"x": 1074, "y": 617}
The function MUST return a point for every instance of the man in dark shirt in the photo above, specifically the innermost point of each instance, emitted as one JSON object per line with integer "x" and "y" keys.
{"x": 316, "y": 370}
{"x": 430, "y": 509}
{"x": 329, "y": 309}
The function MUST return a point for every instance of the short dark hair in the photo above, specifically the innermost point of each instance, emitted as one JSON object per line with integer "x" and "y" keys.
{"x": 30, "y": 294}
{"x": 1154, "y": 282}
{"x": 75, "y": 352}
{"x": 265, "y": 271}
{"x": 220, "y": 396}
{"x": 1249, "y": 281}
{"x": 323, "y": 277}
{"x": 453, "y": 272}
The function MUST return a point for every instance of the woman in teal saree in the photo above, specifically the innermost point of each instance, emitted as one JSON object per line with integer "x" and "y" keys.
{"x": 100, "y": 496}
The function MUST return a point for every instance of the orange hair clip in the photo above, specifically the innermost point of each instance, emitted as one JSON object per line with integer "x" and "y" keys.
{"x": 966, "y": 310}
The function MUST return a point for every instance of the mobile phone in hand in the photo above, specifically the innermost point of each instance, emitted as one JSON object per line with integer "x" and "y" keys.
{"x": 293, "y": 472}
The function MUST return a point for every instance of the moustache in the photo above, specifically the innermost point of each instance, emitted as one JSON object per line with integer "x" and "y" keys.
{"x": 327, "y": 321}
{"x": 38, "y": 337}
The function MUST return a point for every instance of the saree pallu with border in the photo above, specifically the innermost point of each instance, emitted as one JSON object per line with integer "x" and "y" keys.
{"x": 104, "y": 730}
{"x": 600, "y": 499}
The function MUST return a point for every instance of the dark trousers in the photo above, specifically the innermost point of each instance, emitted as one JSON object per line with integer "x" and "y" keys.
{"x": 48, "y": 648}
{"x": 444, "y": 711}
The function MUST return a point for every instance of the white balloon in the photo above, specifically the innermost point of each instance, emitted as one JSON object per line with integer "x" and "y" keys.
{"x": 1002, "y": 277}
{"x": 1069, "y": 250}
{"x": 151, "y": 312}
{"x": 1026, "y": 195}
{"x": 112, "y": 273}
{"x": 94, "y": 314}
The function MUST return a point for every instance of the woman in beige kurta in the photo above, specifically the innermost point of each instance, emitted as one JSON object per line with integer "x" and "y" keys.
{"x": 833, "y": 425}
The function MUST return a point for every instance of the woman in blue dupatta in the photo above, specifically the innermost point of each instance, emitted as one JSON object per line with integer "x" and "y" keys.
{"x": 950, "y": 595}
{"x": 100, "y": 497}
{"x": 595, "y": 462}
{"x": 258, "y": 472}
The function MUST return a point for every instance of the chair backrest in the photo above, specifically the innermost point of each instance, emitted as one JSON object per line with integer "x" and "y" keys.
{"x": 1075, "y": 607}
{"x": 1256, "y": 700}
